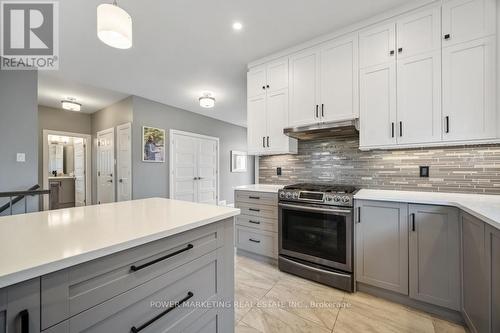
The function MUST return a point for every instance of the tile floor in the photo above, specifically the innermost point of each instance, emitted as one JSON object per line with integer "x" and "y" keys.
{"x": 270, "y": 301}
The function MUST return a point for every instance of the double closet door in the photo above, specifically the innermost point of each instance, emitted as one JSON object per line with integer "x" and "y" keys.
{"x": 194, "y": 163}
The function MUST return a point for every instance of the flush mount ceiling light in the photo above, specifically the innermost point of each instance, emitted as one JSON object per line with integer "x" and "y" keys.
{"x": 71, "y": 104}
{"x": 114, "y": 26}
{"x": 237, "y": 26}
{"x": 207, "y": 100}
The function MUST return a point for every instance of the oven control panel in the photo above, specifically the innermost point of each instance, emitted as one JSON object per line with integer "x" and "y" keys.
{"x": 334, "y": 199}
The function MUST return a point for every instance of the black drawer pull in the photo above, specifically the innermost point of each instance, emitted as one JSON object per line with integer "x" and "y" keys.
{"x": 254, "y": 240}
{"x": 24, "y": 321}
{"x": 149, "y": 322}
{"x": 254, "y": 222}
{"x": 135, "y": 268}
{"x": 256, "y": 198}
{"x": 254, "y": 209}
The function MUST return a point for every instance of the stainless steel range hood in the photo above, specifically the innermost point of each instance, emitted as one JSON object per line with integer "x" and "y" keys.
{"x": 335, "y": 129}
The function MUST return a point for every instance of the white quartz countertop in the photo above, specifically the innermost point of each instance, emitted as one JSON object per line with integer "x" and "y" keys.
{"x": 39, "y": 243}
{"x": 260, "y": 188}
{"x": 484, "y": 207}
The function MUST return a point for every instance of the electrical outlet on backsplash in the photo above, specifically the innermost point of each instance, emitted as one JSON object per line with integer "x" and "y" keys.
{"x": 470, "y": 169}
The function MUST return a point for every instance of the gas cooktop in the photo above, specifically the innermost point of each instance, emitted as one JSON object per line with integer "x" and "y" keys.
{"x": 319, "y": 193}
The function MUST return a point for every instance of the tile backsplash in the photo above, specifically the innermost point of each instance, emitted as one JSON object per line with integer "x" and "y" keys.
{"x": 471, "y": 169}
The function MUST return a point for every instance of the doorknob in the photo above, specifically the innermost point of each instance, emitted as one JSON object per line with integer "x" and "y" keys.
{"x": 110, "y": 181}
{"x": 121, "y": 180}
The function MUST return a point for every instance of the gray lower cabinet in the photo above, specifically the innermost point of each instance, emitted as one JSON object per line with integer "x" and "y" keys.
{"x": 20, "y": 307}
{"x": 382, "y": 245}
{"x": 493, "y": 258}
{"x": 434, "y": 252}
{"x": 475, "y": 289}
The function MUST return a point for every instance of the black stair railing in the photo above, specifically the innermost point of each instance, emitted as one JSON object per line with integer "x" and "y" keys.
{"x": 16, "y": 196}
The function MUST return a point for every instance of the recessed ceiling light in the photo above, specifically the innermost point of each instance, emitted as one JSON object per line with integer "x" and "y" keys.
{"x": 207, "y": 100}
{"x": 71, "y": 104}
{"x": 237, "y": 26}
{"x": 114, "y": 26}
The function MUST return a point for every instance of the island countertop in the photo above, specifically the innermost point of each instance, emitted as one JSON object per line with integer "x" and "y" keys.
{"x": 36, "y": 244}
{"x": 266, "y": 188}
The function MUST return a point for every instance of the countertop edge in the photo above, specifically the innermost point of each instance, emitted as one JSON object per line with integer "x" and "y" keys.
{"x": 496, "y": 224}
{"x": 34, "y": 272}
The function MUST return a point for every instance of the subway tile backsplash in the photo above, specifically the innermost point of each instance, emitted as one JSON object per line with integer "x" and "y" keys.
{"x": 470, "y": 169}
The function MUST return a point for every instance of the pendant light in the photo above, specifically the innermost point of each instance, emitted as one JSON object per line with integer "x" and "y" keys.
{"x": 114, "y": 26}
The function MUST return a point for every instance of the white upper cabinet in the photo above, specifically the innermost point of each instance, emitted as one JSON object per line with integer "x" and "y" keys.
{"x": 338, "y": 74}
{"x": 304, "y": 82}
{"x": 466, "y": 20}
{"x": 469, "y": 90}
{"x": 267, "y": 110}
{"x": 419, "y": 33}
{"x": 377, "y": 45}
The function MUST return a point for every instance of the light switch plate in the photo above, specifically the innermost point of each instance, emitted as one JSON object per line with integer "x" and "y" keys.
{"x": 21, "y": 157}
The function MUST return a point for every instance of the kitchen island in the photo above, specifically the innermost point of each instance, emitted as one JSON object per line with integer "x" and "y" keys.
{"x": 143, "y": 265}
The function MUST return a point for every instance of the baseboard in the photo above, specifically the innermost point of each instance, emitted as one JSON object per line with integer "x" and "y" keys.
{"x": 447, "y": 314}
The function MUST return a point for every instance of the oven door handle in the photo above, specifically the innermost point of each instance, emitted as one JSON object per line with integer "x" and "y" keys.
{"x": 316, "y": 209}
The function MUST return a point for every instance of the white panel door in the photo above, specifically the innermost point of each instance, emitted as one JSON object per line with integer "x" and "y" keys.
{"x": 419, "y": 33}
{"x": 377, "y": 45}
{"x": 105, "y": 166}
{"x": 304, "y": 84}
{"x": 79, "y": 156}
{"x": 124, "y": 162}
{"x": 277, "y": 76}
{"x": 257, "y": 127}
{"x": 184, "y": 177}
{"x": 469, "y": 90}
{"x": 277, "y": 119}
{"x": 378, "y": 105}
{"x": 466, "y": 20}
{"x": 339, "y": 80}
{"x": 256, "y": 82}
{"x": 419, "y": 99}
{"x": 207, "y": 171}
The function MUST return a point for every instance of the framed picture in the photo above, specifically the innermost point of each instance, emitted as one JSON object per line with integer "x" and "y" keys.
{"x": 153, "y": 144}
{"x": 239, "y": 160}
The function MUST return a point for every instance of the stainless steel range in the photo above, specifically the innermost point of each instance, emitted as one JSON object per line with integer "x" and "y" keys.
{"x": 316, "y": 228}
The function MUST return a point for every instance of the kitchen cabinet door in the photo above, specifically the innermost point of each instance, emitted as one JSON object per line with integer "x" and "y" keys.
{"x": 419, "y": 99}
{"x": 378, "y": 105}
{"x": 256, "y": 82}
{"x": 435, "y": 255}
{"x": 277, "y": 120}
{"x": 469, "y": 90}
{"x": 377, "y": 45}
{"x": 339, "y": 89}
{"x": 382, "y": 245}
{"x": 419, "y": 32}
{"x": 304, "y": 85}
{"x": 277, "y": 76}
{"x": 493, "y": 261}
{"x": 20, "y": 307}
{"x": 475, "y": 289}
{"x": 466, "y": 20}
{"x": 257, "y": 127}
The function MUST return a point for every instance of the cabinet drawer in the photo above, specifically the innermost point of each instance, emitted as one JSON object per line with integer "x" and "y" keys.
{"x": 258, "y": 210}
{"x": 69, "y": 292}
{"x": 261, "y": 242}
{"x": 260, "y": 223}
{"x": 195, "y": 282}
{"x": 258, "y": 198}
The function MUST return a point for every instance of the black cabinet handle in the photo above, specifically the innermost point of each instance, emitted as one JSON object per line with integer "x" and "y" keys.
{"x": 254, "y": 209}
{"x": 267, "y": 142}
{"x": 400, "y": 50}
{"x": 317, "y": 111}
{"x": 392, "y": 129}
{"x": 391, "y": 52}
{"x": 254, "y": 240}
{"x": 400, "y": 128}
{"x": 267, "y": 86}
{"x": 24, "y": 321}
{"x": 264, "y": 141}
{"x": 253, "y": 222}
{"x": 255, "y": 198}
{"x": 447, "y": 36}
{"x": 447, "y": 124}
{"x": 135, "y": 268}
{"x": 359, "y": 214}
{"x": 263, "y": 87}
{"x": 322, "y": 110}
{"x": 149, "y": 322}
{"x": 412, "y": 222}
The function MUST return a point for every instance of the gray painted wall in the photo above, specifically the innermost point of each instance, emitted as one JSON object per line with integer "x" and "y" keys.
{"x": 110, "y": 117}
{"x": 59, "y": 120}
{"x": 18, "y": 132}
{"x": 151, "y": 179}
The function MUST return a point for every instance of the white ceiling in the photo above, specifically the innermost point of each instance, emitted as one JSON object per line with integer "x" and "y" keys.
{"x": 182, "y": 47}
